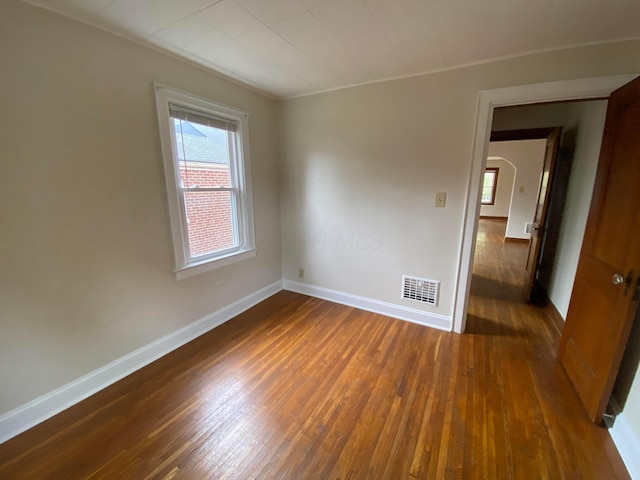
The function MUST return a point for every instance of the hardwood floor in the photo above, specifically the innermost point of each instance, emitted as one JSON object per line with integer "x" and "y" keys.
{"x": 301, "y": 388}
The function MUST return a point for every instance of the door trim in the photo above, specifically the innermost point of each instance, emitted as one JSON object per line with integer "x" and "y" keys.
{"x": 521, "y": 134}
{"x": 488, "y": 100}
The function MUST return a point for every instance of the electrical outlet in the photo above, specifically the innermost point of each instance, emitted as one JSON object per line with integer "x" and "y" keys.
{"x": 440, "y": 200}
{"x": 301, "y": 273}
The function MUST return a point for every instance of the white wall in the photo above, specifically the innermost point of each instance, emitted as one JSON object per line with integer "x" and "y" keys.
{"x": 629, "y": 419}
{"x": 85, "y": 245}
{"x": 588, "y": 120}
{"x": 626, "y": 428}
{"x": 365, "y": 163}
{"x": 527, "y": 156}
{"x": 504, "y": 189}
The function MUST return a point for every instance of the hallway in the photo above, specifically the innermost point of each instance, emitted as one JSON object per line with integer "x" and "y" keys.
{"x": 543, "y": 416}
{"x": 498, "y": 268}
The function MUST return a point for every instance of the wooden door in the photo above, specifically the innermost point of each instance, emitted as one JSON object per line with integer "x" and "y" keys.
{"x": 604, "y": 297}
{"x": 535, "y": 243}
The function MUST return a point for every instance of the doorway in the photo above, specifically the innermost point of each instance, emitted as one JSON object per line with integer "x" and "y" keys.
{"x": 505, "y": 224}
{"x": 580, "y": 89}
{"x": 488, "y": 101}
{"x": 558, "y": 238}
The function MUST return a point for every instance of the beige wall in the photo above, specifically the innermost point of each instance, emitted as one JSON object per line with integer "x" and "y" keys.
{"x": 527, "y": 156}
{"x": 368, "y": 160}
{"x": 85, "y": 250}
{"x": 504, "y": 189}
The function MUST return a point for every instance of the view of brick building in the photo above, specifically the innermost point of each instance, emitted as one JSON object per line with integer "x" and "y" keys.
{"x": 204, "y": 162}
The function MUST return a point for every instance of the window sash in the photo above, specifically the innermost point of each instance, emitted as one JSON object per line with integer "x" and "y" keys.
{"x": 203, "y": 118}
{"x": 207, "y": 189}
{"x": 238, "y": 239}
{"x": 490, "y": 172}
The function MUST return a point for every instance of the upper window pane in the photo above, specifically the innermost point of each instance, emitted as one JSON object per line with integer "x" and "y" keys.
{"x": 489, "y": 177}
{"x": 203, "y": 154}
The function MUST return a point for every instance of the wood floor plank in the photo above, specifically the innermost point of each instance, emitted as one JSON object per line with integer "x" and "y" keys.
{"x": 301, "y": 388}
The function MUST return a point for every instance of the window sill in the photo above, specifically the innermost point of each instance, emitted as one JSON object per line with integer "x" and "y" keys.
{"x": 213, "y": 263}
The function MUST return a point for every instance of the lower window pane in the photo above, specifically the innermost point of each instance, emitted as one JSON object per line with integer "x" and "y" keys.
{"x": 486, "y": 194}
{"x": 209, "y": 222}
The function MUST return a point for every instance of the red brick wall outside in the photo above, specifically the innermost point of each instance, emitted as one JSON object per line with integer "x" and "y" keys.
{"x": 209, "y": 220}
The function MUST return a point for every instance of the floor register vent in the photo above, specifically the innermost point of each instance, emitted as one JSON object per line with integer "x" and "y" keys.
{"x": 420, "y": 289}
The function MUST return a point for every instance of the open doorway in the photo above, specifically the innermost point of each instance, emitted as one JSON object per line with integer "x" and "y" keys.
{"x": 571, "y": 187}
{"x": 548, "y": 92}
{"x": 488, "y": 102}
{"x": 518, "y": 145}
{"x": 563, "y": 232}
{"x": 513, "y": 176}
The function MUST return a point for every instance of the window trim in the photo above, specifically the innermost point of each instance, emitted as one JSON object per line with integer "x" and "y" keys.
{"x": 494, "y": 188}
{"x": 185, "y": 266}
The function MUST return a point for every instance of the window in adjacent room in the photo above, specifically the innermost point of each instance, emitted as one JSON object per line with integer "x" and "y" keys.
{"x": 489, "y": 185}
{"x": 206, "y": 163}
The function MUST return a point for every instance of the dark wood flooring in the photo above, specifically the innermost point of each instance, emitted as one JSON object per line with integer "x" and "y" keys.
{"x": 301, "y": 388}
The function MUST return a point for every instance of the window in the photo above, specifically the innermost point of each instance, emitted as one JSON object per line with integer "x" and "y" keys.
{"x": 489, "y": 185}
{"x": 206, "y": 164}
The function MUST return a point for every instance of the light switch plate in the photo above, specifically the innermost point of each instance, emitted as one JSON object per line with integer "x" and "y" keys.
{"x": 440, "y": 200}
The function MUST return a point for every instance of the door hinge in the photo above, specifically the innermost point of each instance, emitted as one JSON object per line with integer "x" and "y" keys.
{"x": 627, "y": 282}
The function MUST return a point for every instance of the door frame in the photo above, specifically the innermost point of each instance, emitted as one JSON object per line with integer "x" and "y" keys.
{"x": 488, "y": 100}
{"x": 532, "y": 134}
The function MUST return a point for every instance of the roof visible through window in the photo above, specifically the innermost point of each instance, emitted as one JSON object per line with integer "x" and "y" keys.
{"x": 201, "y": 143}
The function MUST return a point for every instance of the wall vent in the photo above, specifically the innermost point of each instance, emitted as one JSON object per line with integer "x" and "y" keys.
{"x": 420, "y": 289}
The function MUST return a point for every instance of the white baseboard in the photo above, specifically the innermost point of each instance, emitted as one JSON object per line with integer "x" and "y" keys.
{"x": 628, "y": 445}
{"x": 434, "y": 320}
{"x": 40, "y": 409}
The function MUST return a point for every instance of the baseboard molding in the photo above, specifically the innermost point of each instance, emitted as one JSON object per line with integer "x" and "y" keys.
{"x": 516, "y": 240}
{"x": 434, "y": 320}
{"x": 628, "y": 445}
{"x": 40, "y": 409}
{"x": 555, "y": 317}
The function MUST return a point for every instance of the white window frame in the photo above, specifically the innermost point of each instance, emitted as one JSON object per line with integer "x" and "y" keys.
{"x": 185, "y": 266}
